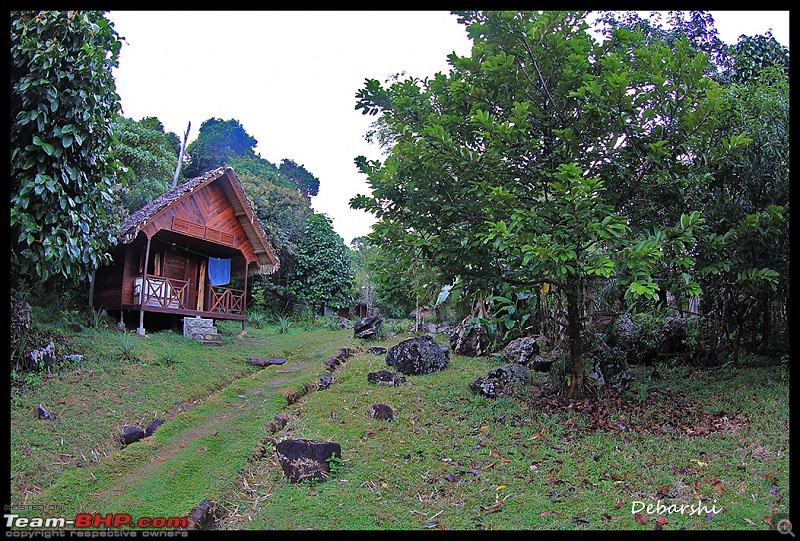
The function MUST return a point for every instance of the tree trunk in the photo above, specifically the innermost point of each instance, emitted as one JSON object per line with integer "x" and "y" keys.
{"x": 180, "y": 157}
{"x": 574, "y": 334}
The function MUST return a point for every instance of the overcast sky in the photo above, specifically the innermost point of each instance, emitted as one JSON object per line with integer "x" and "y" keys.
{"x": 290, "y": 78}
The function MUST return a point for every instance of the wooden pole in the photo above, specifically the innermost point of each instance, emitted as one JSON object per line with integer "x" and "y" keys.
{"x": 244, "y": 300}
{"x": 201, "y": 286}
{"x": 140, "y": 330}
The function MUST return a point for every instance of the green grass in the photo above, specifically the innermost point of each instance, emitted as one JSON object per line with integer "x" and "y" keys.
{"x": 449, "y": 460}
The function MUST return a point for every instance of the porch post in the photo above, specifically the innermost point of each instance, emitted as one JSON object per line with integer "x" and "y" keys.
{"x": 140, "y": 330}
{"x": 244, "y": 300}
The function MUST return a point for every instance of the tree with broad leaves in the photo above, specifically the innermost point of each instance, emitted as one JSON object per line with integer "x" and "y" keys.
{"x": 536, "y": 158}
{"x": 151, "y": 156}
{"x": 63, "y": 101}
{"x": 323, "y": 273}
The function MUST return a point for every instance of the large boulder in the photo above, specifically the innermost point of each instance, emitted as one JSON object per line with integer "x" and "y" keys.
{"x": 673, "y": 334}
{"x": 521, "y": 351}
{"x": 470, "y": 339}
{"x": 500, "y": 381}
{"x": 368, "y": 328}
{"x": 418, "y": 355}
{"x": 43, "y": 358}
{"x": 610, "y": 369}
{"x": 305, "y": 460}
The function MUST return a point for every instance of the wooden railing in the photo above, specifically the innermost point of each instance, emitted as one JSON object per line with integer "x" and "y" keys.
{"x": 227, "y": 301}
{"x": 164, "y": 292}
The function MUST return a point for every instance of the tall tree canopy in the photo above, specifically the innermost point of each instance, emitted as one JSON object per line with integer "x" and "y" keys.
{"x": 546, "y": 157}
{"x": 217, "y": 143}
{"x": 63, "y": 101}
{"x": 151, "y": 156}
{"x": 744, "y": 197}
{"x": 306, "y": 183}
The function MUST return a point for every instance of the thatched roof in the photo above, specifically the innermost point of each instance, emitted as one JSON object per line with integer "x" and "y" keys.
{"x": 242, "y": 205}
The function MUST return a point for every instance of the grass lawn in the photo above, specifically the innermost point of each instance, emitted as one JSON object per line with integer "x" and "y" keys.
{"x": 703, "y": 449}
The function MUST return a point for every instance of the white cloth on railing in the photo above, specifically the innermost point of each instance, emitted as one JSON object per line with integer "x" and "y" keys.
{"x": 158, "y": 290}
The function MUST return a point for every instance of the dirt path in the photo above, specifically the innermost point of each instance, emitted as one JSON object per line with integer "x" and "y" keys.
{"x": 194, "y": 456}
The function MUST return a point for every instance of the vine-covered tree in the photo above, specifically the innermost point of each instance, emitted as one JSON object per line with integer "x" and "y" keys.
{"x": 63, "y": 101}
{"x": 536, "y": 160}
{"x": 323, "y": 272}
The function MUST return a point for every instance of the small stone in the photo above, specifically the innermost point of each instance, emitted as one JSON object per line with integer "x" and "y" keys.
{"x": 381, "y": 412}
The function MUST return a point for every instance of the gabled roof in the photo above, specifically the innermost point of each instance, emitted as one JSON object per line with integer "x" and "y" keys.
{"x": 267, "y": 257}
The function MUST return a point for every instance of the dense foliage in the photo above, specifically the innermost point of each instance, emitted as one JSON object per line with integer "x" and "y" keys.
{"x": 63, "y": 101}
{"x": 217, "y": 143}
{"x": 306, "y": 183}
{"x": 548, "y": 158}
{"x": 151, "y": 156}
{"x": 323, "y": 273}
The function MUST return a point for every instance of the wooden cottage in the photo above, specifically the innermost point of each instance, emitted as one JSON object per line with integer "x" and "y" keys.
{"x": 178, "y": 254}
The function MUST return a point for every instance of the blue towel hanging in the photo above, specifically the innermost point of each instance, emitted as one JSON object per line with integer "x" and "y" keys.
{"x": 219, "y": 271}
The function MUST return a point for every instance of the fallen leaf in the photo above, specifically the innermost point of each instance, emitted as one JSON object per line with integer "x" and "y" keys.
{"x": 640, "y": 518}
{"x": 501, "y": 487}
{"x": 768, "y": 520}
{"x": 661, "y": 520}
{"x": 750, "y": 522}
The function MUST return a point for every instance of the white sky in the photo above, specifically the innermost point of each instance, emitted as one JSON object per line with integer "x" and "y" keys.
{"x": 290, "y": 78}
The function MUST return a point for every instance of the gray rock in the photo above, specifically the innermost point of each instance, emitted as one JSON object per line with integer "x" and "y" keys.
{"x": 418, "y": 355}
{"x": 381, "y": 412}
{"x": 500, "y": 381}
{"x": 521, "y": 351}
{"x": 132, "y": 434}
{"x": 305, "y": 460}
{"x": 368, "y": 327}
{"x": 469, "y": 339}
{"x": 385, "y": 377}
